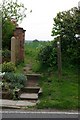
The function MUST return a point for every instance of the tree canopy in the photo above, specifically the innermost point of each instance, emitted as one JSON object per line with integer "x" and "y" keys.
{"x": 67, "y": 25}
{"x": 10, "y": 11}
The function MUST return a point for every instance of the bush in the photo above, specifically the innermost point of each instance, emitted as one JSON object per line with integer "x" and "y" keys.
{"x": 6, "y": 55}
{"x": 48, "y": 56}
{"x": 15, "y": 80}
{"x": 9, "y": 77}
{"x": 20, "y": 78}
{"x": 8, "y": 67}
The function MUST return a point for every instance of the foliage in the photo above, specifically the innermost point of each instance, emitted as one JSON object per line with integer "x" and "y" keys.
{"x": 1, "y": 84}
{"x": 10, "y": 11}
{"x": 7, "y": 33}
{"x": 8, "y": 67}
{"x": 5, "y": 86}
{"x": 66, "y": 25}
{"x": 48, "y": 56}
{"x": 9, "y": 76}
{"x": 31, "y": 52}
{"x": 16, "y": 80}
{"x": 12, "y": 82}
{"x": 19, "y": 67}
{"x": 21, "y": 79}
{"x": 6, "y": 55}
{"x": 65, "y": 28}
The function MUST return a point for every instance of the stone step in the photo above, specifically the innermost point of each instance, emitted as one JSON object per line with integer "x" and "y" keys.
{"x": 15, "y": 104}
{"x": 31, "y": 89}
{"x": 27, "y": 69}
{"x": 29, "y": 96}
{"x": 33, "y": 76}
{"x": 32, "y": 83}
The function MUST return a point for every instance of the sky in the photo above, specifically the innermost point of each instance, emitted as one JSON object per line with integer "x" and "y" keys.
{"x": 39, "y": 23}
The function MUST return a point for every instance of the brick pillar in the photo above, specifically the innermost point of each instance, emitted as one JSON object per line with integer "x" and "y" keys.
{"x": 19, "y": 34}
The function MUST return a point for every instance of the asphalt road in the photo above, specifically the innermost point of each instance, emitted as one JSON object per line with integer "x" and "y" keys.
{"x": 39, "y": 114}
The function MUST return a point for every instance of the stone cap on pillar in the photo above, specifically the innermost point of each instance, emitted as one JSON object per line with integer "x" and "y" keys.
{"x": 18, "y": 31}
{"x": 19, "y": 28}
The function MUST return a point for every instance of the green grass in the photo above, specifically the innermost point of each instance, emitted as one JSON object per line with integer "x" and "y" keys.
{"x": 60, "y": 94}
{"x": 19, "y": 67}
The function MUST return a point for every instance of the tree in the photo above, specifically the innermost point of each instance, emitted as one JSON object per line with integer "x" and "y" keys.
{"x": 10, "y": 10}
{"x": 66, "y": 25}
{"x": 14, "y": 10}
{"x": 7, "y": 33}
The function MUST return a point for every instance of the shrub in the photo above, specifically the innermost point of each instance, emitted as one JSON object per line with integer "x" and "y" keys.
{"x": 5, "y": 86}
{"x": 9, "y": 77}
{"x": 48, "y": 56}
{"x": 6, "y": 55}
{"x": 16, "y": 80}
{"x": 20, "y": 78}
{"x": 8, "y": 67}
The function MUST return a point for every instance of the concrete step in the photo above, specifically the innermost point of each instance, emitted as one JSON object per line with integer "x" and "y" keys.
{"x": 31, "y": 89}
{"x": 29, "y": 96}
{"x": 33, "y": 76}
{"x": 15, "y": 104}
{"x": 27, "y": 69}
{"x": 32, "y": 83}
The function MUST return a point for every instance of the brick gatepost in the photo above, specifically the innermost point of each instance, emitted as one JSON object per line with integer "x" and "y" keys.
{"x": 19, "y": 34}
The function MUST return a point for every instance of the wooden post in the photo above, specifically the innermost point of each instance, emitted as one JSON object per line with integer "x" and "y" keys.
{"x": 13, "y": 50}
{"x": 59, "y": 59}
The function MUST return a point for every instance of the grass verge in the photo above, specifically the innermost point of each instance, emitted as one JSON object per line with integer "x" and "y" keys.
{"x": 59, "y": 93}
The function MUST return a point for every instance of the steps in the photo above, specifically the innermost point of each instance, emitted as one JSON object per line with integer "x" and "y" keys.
{"x": 33, "y": 76}
{"x": 17, "y": 104}
{"x": 29, "y": 93}
{"x": 27, "y": 69}
{"x": 31, "y": 89}
{"x": 29, "y": 96}
{"x": 32, "y": 79}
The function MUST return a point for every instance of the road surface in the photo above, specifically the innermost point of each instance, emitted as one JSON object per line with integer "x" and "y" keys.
{"x": 13, "y": 113}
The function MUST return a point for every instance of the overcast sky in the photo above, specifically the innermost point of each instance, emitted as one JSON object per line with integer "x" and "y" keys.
{"x": 39, "y": 23}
